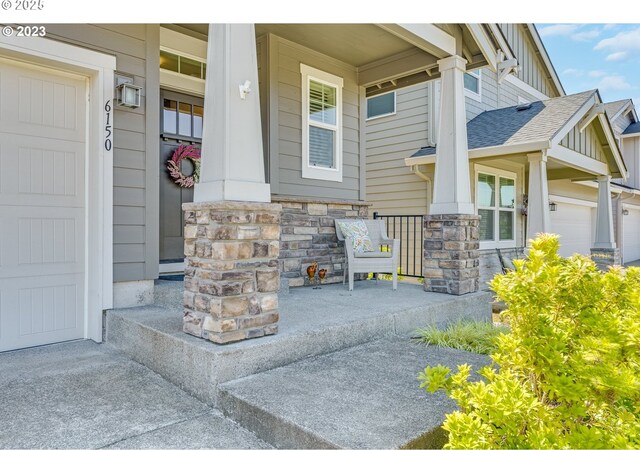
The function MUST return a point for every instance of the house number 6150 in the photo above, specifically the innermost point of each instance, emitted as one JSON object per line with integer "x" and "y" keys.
{"x": 108, "y": 142}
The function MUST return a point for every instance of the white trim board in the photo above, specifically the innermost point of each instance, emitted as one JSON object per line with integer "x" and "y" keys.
{"x": 98, "y": 67}
{"x": 573, "y": 201}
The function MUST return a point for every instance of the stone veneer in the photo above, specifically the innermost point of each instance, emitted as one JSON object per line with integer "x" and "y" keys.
{"x": 309, "y": 234}
{"x": 605, "y": 257}
{"x": 231, "y": 276}
{"x": 451, "y": 255}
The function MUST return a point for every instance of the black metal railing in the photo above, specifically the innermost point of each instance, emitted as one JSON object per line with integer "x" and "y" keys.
{"x": 410, "y": 230}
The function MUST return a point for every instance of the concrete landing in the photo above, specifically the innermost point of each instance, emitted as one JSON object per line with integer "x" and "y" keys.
{"x": 313, "y": 322}
{"x": 363, "y": 397}
{"x": 86, "y": 395}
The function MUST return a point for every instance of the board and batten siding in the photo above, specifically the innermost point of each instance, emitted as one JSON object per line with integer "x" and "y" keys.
{"x": 585, "y": 143}
{"x": 285, "y": 117}
{"x": 391, "y": 187}
{"x": 135, "y": 138}
{"x": 532, "y": 69}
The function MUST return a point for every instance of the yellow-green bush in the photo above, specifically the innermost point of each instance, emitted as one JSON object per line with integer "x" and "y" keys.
{"x": 568, "y": 373}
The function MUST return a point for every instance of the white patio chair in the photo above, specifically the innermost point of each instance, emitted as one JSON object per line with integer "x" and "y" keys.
{"x": 376, "y": 261}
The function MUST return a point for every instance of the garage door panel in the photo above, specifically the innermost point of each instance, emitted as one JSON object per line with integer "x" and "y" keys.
{"x": 39, "y": 311}
{"x": 631, "y": 235}
{"x": 574, "y": 225}
{"x": 42, "y": 103}
{"x": 42, "y": 206}
{"x": 41, "y": 172}
{"x": 43, "y": 240}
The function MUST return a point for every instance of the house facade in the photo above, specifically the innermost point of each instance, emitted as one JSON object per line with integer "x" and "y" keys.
{"x": 520, "y": 127}
{"x": 89, "y": 216}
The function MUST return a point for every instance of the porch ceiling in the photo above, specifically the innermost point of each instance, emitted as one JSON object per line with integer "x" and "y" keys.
{"x": 354, "y": 44}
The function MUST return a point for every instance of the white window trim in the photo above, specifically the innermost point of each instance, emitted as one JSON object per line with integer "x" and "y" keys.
{"x": 321, "y": 173}
{"x": 497, "y": 243}
{"x": 380, "y": 116}
{"x": 477, "y": 96}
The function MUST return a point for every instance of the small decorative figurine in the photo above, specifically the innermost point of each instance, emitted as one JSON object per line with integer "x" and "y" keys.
{"x": 321, "y": 274}
{"x": 311, "y": 272}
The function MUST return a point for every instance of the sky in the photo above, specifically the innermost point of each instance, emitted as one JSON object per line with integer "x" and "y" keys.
{"x": 589, "y": 56}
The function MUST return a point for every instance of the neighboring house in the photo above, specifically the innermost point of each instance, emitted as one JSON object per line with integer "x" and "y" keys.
{"x": 517, "y": 127}
{"x": 88, "y": 216}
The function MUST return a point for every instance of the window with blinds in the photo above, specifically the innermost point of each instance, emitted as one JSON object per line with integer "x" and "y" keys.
{"x": 322, "y": 124}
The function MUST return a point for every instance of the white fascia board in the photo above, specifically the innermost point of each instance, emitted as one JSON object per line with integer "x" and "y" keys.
{"x": 484, "y": 152}
{"x": 483, "y": 41}
{"x": 630, "y": 135}
{"x": 614, "y": 189}
{"x": 577, "y": 160}
{"x": 613, "y": 147}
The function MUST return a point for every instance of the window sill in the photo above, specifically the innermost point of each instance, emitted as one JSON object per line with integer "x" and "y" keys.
{"x": 489, "y": 245}
{"x": 320, "y": 173}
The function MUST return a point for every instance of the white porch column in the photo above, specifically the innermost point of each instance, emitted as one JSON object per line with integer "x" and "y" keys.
{"x": 232, "y": 159}
{"x": 604, "y": 215}
{"x": 538, "y": 219}
{"x": 451, "y": 189}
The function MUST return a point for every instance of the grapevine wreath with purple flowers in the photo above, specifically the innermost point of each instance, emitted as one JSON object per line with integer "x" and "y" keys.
{"x": 173, "y": 165}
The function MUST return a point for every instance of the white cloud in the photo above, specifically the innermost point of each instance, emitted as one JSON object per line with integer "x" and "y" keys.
{"x": 597, "y": 73}
{"x": 609, "y": 26}
{"x": 613, "y": 83}
{"x": 616, "y": 56}
{"x": 585, "y": 36}
{"x": 557, "y": 30}
{"x": 623, "y": 41}
{"x": 572, "y": 72}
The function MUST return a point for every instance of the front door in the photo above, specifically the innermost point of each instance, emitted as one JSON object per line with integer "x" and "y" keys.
{"x": 181, "y": 124}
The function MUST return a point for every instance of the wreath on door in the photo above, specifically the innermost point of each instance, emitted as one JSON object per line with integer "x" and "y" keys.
{"x": 173, "y": 165}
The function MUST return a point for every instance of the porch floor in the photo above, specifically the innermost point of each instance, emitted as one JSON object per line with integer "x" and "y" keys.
{"x": 312, "y": 322}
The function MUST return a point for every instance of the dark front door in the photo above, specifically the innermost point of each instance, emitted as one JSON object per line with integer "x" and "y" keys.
{"x": 181, "y": 123}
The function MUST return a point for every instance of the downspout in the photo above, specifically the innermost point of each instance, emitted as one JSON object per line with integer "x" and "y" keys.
{"x": 416, "y": 171}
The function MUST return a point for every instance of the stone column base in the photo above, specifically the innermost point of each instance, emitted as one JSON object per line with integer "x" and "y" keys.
{"x": 451, "y": 253}
{"x": 605, "y": 257}
{"x": 231, "y": 276}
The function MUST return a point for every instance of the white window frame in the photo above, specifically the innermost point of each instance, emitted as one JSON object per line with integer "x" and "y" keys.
{"x": 380, "y": 116}
{"x": 497, "y": 173}
{"x": 321, "y": 173}
{"x": 476, "y": 73}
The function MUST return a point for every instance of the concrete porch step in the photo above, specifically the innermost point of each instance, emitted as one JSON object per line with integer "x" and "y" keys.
{"x": 313, "y": 322}
{"x": 362, "y": 397}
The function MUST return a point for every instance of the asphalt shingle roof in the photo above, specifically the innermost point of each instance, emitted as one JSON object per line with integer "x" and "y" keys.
{"x": 633, "y": 128}
{"x": 509, "y": 126}
{"x": 612, "y": 108}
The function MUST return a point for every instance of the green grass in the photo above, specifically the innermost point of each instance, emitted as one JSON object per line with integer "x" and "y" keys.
{"x": 477, "y": 337}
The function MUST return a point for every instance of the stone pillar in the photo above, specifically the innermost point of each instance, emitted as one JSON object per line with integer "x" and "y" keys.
{"x": 451, "y": 253}
{"x": 605, "y": 257}
{"x": 232, "y": 159}
{"x": 231, "y": 276}
{"x": 604, "y": 251}
{"x": 451, "y": 188}
{"x": 538, "y": 219}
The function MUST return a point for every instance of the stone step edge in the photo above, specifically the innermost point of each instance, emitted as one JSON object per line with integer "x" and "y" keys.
{"x": 281, "y": 434}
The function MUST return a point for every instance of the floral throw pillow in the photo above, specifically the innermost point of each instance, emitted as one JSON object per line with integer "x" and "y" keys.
{"x": 359, "y": 234}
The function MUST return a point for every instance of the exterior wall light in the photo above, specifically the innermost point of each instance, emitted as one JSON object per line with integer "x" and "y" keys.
{"x": 553, "y": 206}
{"x": 625, "y": 212}
{"x": 127, "y": 94}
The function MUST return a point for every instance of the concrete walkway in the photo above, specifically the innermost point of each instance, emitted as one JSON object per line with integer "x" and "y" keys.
{"x": 84, "y": 395}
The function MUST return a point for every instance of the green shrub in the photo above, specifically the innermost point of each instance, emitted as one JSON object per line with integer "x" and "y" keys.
{"x": 568, "y": 374}
{"x": 477, "y": 337}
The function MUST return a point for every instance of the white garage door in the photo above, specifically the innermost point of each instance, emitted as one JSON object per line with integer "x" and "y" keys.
{"x": 631, "y": 235}
{"x": 42, "y": 158}
{"x": 573, "y": 224}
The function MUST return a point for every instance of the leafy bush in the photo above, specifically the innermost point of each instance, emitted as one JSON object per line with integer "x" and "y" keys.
{"x": 568, "y": 374}
{"x": 477, "y": 337}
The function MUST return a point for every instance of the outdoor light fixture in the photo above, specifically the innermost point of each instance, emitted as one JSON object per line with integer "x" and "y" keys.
{"x": 625, "y": 212}
{"x": 127, "y": 94}
{"x": 553, "y": 206}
